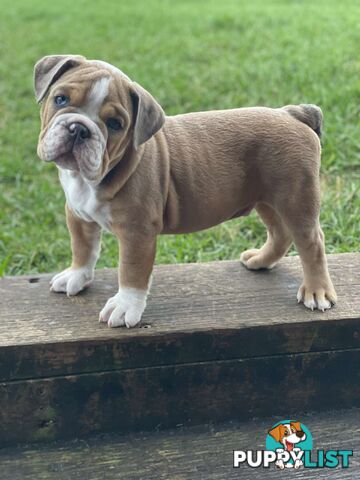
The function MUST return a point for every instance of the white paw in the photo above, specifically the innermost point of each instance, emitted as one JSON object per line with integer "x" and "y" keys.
{"x": 124, "y": 308}
{"x": 72, "y": 280}
{"x": 253, "y": 260}
{"x": 319, "y": 298}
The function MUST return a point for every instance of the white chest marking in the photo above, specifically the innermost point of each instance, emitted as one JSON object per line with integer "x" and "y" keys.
{"x": 82, "y": 200}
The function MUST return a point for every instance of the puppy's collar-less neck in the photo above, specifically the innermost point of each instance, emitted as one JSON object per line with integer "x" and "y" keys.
{"x": 120, "y": 173}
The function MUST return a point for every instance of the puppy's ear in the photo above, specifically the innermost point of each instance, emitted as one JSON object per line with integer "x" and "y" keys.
{"x": 149, "y": 116}
{"x": 277, "y": 432}
{"x": 48, "y": 69}
{"x": 296, "y": 425}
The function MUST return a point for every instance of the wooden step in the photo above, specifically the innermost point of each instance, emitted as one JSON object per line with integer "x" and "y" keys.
{"x": 193, "y": 453}
{"x": 217, "y": 342}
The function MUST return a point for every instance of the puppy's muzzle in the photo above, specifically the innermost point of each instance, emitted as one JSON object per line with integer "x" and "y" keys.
{"x": 74, "y": 142}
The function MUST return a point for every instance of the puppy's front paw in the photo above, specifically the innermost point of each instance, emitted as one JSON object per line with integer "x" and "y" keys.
{"x": 125, "y": 308}
{"x": 72, "y": 280}
{"x": 320, "y": 298}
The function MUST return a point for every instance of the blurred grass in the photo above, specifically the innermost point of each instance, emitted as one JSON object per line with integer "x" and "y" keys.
{"x": 192, "y": 55}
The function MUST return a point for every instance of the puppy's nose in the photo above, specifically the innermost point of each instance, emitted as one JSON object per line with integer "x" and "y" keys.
{"x": 300, "y": 433}
{"x": 79, "y": 131}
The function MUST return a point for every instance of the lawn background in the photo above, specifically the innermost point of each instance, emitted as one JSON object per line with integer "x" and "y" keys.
{"x": 191, "y": 55}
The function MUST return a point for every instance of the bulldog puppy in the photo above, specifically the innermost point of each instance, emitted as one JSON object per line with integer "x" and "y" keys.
{"x": 127, "y": 168}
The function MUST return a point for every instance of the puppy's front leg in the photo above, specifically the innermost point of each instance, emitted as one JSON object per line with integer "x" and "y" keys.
{"x": 137, "y": 254}
{"x": 85, "y": 247}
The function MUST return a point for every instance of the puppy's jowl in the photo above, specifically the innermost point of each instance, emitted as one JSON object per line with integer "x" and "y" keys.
{"x": 127, "y": 168}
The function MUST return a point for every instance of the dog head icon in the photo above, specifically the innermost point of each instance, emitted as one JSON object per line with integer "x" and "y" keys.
{"x": 288, "y": 434}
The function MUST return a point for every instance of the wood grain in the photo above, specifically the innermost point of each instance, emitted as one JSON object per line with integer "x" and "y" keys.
{"x": 196, "y": 312}
{"x": 221, "y": 343}
{"x": 163, "y": 397}
{"x": 201, "y": 453}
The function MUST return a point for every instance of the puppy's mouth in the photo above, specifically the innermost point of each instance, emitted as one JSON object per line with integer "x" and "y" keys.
{"x": 289, "y": 446}
{"x": 66, "y": 161}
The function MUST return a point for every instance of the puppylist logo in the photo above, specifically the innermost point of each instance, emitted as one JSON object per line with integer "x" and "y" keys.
{"x": 289, "y": 445}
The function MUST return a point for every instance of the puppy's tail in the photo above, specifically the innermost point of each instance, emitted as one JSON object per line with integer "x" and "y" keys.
{"x": 309, "y": 114}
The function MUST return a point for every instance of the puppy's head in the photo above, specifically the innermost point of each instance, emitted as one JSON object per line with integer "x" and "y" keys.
{"x": 91, "y": 113}
{"x": 288, "y": 434}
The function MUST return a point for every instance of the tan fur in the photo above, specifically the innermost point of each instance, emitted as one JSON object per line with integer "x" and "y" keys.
{"x": 84, "y": 238}
{"x": 190, "y": 172}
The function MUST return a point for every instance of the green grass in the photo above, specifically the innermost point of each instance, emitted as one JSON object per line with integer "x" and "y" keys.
{"x": 192, "y": 55}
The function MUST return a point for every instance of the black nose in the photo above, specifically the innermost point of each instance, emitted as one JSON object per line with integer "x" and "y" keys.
{"x": 300, "y": 433}
{"x": 79, "y": 131}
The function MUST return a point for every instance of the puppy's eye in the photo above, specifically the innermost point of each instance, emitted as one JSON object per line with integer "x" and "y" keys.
{"x": 61, "y": 100}
{"x": 286, "y": 434}
{"x": 113, "y": 124}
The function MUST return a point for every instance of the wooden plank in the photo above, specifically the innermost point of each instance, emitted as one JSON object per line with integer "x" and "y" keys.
{"x": 162, "y": 397}
{"x": 196, "y": 312}
{"x": 203, "y": 453}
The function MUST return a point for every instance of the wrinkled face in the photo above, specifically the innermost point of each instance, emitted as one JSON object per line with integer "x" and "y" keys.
{"x": 91, "y": 114}
{"x": 86, "y": 119}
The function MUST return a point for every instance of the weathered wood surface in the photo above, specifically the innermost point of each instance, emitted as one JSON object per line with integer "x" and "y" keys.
{"x": 195, "y": 313}
{"x": 201, "y": 453}
{"x": 162, "y": 397}
{"x": 222, "y": 343}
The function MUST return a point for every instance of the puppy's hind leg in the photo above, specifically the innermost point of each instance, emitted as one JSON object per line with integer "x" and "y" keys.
{"x": 302, "y": 219}
{"x": 277, "y": 244}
